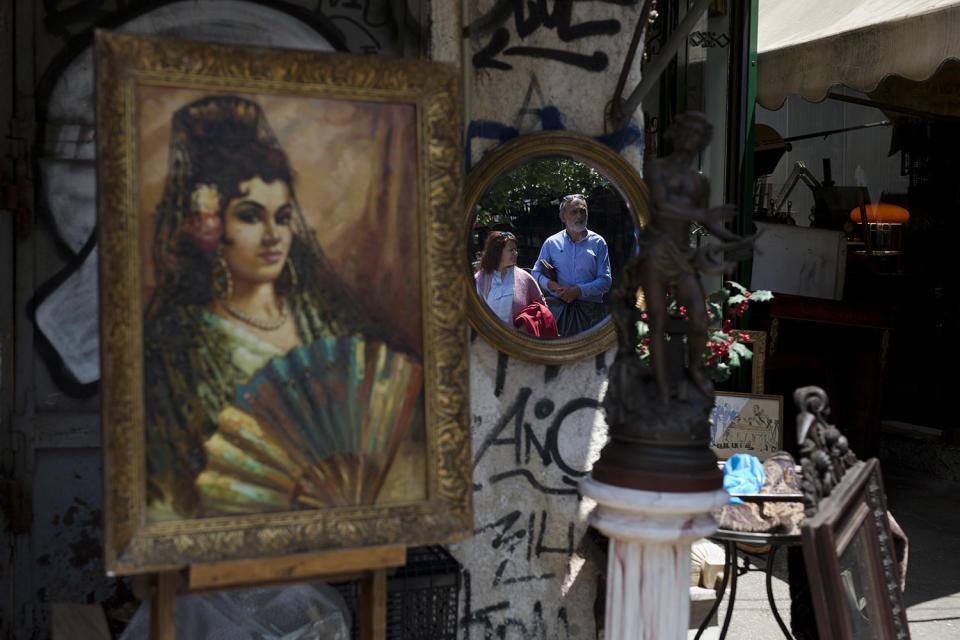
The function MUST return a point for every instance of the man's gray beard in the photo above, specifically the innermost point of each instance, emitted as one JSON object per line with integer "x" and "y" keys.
{"x": 577, "y": 228}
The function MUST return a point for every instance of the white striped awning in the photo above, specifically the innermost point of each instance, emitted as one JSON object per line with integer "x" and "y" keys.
{"x": 807, "y": 46}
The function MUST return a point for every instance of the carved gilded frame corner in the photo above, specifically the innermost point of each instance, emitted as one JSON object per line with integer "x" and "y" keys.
{"x": 136, "y": 544}
{"x": 516, "y": 152}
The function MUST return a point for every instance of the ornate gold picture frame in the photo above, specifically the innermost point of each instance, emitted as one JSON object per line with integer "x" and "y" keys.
{"x": 495, "y": 165}
{"x": 283, "y": 332}
{"x": 758, "y": 344}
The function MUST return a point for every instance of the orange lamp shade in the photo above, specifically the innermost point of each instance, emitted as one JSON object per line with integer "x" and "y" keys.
{"x": 882, "y": 213}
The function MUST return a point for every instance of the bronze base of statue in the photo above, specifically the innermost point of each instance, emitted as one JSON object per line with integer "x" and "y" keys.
{"x": 658, "y": 468}
{"x": 655, "y": 446}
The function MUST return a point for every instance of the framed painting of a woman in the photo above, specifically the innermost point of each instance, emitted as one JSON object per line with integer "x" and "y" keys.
{"x": 272, "y": 240}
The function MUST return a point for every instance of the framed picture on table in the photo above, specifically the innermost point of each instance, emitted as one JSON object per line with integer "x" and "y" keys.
{"x": 276, "y": 228}
{"x": 746, "y": 423}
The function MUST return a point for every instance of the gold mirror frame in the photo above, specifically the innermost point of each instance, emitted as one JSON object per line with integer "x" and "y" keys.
{"x": 583, "y": 149}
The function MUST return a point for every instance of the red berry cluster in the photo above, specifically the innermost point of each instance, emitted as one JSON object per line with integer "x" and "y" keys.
{"x": 738, "y": 309}
{"x": 719, "y": 350}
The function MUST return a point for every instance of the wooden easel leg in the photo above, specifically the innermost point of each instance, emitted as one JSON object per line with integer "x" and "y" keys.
{"x": 163, "y": 613}
{"x": 373, "y": 606}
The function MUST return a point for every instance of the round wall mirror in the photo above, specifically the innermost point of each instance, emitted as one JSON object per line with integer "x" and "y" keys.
{"x": 551, "y": 218}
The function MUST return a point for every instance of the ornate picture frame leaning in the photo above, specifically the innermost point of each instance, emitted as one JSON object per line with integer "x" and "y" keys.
{"x": 854, "y": 568}
{"x": 851, "y": 563}
{"x": 283, "y": 331}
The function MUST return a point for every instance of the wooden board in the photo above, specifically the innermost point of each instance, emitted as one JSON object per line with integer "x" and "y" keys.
{"x": 72, "y": 621}
{"x": 296, "y": 568}
{"x": 369, "y": 564}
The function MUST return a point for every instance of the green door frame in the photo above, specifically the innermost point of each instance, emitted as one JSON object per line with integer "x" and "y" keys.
{"x": 740, "y": 189}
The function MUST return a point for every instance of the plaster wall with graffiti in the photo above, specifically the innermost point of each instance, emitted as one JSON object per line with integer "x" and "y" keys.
{"x": 533, "y": 568}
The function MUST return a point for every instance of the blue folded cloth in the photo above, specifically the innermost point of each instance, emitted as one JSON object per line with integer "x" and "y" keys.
{"x": 743, "y": 473}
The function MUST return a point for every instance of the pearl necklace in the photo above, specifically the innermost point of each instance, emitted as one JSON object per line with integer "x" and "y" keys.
{"x": 259, "y": 324}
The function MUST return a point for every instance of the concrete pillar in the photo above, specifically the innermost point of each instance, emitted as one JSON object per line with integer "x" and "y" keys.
{"x": 648, "y": 566}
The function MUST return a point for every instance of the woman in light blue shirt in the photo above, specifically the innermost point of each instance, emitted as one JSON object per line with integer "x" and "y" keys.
{"x": 505, "y": 288}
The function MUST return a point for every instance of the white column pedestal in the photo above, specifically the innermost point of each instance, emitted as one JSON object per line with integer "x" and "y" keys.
{"x": 648, "y": 570}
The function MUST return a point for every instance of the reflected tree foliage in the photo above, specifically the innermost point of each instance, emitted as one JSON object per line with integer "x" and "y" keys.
{"x": 525, "y": 200}
{"x": 539, "y": 182}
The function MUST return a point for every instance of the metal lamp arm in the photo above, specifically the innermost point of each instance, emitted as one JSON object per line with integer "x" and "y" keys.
{"x": 800, "y": 172}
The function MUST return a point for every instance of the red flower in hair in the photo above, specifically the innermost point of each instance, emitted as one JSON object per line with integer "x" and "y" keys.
{"x": 205, "y": 224}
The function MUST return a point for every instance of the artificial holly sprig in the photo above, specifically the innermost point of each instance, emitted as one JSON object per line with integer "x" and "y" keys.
{"x": 726, "y": 347}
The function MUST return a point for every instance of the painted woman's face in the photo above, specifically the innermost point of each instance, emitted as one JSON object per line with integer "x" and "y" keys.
{"x": 257, "y": 231}
{"x": 508, "y": 257}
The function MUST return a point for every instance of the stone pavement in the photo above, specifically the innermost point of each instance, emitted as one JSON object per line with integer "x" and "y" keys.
{"x": 928, "y": 510}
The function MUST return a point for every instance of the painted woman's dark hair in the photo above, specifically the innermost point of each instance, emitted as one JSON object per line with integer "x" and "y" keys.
{"x": 216, "y": 143}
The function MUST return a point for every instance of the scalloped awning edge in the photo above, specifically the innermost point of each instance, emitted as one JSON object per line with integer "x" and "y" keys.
{"x": 858, "y": 48}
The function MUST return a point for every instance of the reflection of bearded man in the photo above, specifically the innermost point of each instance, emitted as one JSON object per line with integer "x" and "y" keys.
{"x": 581, "y": 266}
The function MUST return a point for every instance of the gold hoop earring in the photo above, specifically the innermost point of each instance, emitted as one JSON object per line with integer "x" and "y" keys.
{"x": 293, "y": 274}
{"x": 221, "y": 282}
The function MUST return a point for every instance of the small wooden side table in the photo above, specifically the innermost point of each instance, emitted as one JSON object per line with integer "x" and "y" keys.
{"x": 730, "y": 539}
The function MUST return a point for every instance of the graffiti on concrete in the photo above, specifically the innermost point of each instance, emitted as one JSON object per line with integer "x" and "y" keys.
{"x": 491, "y": 622}
{"x": 512, "y": 431}
{"x": 522, "y": 573}
{"x": 535, "y": 106}
{"x": 365, "y": 26}
{"x": 372, "y": 26}
{"x": 65, "y": 18}
{"x": 529, "y": 18}
{"x": 358, "y": 19}
{"x": 550, "y": 119}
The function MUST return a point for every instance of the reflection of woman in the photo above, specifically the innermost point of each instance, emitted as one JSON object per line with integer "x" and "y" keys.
{"x": 240, "y": 280}
{"x": 506, "y": 288}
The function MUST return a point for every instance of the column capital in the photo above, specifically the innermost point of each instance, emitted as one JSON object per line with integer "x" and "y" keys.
{"x": 652, "y": 516}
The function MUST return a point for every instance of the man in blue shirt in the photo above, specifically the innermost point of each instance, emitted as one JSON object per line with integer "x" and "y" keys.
{"x": 582, "y": 265}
